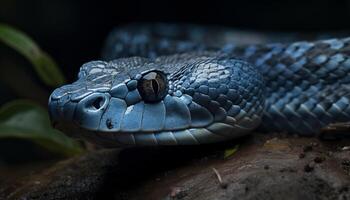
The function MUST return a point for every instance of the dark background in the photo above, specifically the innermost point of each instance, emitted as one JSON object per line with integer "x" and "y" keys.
{"x": 73, "y": 31}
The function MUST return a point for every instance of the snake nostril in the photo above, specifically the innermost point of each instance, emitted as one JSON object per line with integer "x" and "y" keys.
{"x": 98, "y": 103}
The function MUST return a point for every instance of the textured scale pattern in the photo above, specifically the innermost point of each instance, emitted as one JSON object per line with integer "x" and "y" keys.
{"x": 307, "y": 84}
{"x": 216, "y": 90}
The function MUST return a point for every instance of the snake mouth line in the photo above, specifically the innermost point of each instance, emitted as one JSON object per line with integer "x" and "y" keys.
{"x": 215, "y": 132}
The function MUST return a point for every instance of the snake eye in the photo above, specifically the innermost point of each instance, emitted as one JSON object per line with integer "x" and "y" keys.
{"x": 153, "y": 86}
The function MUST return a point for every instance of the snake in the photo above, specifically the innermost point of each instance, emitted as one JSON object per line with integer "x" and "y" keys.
{"x": 188, "y": 85}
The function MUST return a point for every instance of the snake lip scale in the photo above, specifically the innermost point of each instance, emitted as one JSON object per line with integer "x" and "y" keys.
{"x": 190, "y": 93}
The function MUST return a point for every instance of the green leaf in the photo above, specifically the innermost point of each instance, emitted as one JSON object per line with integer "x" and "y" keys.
{"x": 230, "y": 152}
{"x": 44, "y": 65}
{"x": 24, "y": 119}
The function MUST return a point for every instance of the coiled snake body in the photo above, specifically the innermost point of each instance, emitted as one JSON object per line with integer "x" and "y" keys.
{"x": 192, "y": 91}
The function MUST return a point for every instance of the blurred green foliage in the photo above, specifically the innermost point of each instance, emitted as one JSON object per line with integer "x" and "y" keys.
{"x": 24, "y": 119}
{"x": 44, "y": 65}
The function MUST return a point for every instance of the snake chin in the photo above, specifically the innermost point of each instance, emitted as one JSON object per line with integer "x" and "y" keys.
{"x": 216, "y": 132}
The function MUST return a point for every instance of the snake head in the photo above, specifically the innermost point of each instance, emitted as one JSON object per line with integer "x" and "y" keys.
{"x": 171, "y": 100}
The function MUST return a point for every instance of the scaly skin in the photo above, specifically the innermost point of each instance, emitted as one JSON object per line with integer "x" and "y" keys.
{"x": 212, "y": 95}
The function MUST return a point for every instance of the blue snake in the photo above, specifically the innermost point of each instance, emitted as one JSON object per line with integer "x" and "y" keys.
{"x": 186, "y": 86}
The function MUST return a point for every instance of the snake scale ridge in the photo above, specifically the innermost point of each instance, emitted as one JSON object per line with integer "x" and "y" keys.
{"x": 174, "y": 86}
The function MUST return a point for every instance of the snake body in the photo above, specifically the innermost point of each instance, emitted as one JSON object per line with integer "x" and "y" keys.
{"x": 215, "y": 91}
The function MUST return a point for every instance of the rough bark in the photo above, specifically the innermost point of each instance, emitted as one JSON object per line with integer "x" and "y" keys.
{"x": 264, "y": 167}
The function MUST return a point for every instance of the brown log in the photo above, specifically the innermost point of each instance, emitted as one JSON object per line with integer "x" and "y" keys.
{"x": 264, "y": 167}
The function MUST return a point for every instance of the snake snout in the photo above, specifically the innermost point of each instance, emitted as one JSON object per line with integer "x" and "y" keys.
{"x": 89, "y": 110}
{"x": 86, "y": 113}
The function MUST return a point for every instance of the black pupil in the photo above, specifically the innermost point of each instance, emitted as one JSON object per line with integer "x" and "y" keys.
{"x": 155, "y": 86}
